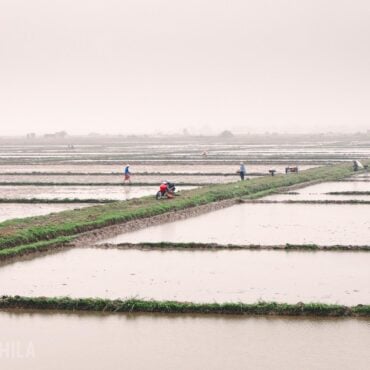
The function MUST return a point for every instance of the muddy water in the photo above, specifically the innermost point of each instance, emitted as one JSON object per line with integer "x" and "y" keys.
{"x": 79, "y": 192}
{"x": 265, "y": 224}
{"x": 179, "y": 168}
{"x": 117, "y": 179}
{"x": 199, "y": 276}
{"x": 15, "y": 210}
{"x": 318, "y": 192}
{"x": 140, "y": 342}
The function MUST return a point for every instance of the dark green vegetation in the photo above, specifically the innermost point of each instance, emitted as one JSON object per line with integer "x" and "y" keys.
{"x": 207, "y": 246}
{"x": 42, "y": 246}
{"x": 323, "y": 201}
{"x": 171, "y": 307}
{"x": 30, "y": 230}
{"x": 349, "y": 193}
{"x": 49, "y": 245}
{"x": 54, "y": 200}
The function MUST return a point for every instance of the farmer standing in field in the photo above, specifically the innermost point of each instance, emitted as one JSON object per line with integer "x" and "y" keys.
{"x": 242, "y": 171}
{"x": 127, "y": 174}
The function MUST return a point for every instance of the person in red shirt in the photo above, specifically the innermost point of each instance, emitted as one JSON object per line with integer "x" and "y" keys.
{"x": 163, "y": 188}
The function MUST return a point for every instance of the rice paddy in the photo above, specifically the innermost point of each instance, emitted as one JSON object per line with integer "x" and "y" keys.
{"x": 206, "y": 271}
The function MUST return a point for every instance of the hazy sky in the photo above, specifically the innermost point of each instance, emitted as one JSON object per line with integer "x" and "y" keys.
{"x": 123, "y": 66}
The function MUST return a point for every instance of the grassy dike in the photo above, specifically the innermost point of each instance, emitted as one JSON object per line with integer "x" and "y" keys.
{"x": 173, "y": 307}
{"x": 42, "y": 246}
{"x": 350, "y": 201}
{"x": 33, "y": 229}
{"x": 349, "y": 193}
{"x": 215, "y": 246}
{"x": 49, "y": 245}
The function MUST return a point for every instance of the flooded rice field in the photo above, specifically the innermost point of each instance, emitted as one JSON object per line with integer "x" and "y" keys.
{"x": 95, "y": 342}
{"x": 265, "y": 224}
{"x": 16, "y": 210}
{"x": 118, "y": 179}
{"x": 78, "y": 192}
{"x": 320, "y": 192}
{"x": 191, "y": 168}
{"x": 195, "y": 276}
{"x": 110, "y": 341}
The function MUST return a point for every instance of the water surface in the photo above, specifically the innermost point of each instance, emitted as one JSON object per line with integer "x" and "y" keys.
{"x": 199, "y": 276}
{"x": 79, "y": 192}
{"x": 265, "y": 224}
{"x": 319, "y": 192}
{"x": 16, "y": 210}
{"x": 141, "y": 342}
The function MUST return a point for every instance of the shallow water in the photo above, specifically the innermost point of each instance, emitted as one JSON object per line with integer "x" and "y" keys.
{"x": 265, "y": 224}
{"x": 79, "y": 192}
{"x": 139, "y": 342}
{"x": 15, "y": 210}
{"x": 198, "y": 276}
{"x": 117, "y": 179}
{"x": 318, "y": 192}
{"x": 180, "y": 168}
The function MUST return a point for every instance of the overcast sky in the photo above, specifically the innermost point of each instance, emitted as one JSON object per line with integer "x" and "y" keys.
{"x": 124, "y": 66}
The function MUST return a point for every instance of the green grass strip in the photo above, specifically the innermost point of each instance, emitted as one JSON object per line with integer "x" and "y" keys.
{"x": 324, "y": 201}
{"x": 34, "y": 247}
{"x": 205, "y": 246}
{"x": 349, "y": 193}
{"x": 33, "y": 229}
{"x": 173, "y": 307}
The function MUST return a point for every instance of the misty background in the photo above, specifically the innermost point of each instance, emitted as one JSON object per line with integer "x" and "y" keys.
{"x": 141, "y": 66}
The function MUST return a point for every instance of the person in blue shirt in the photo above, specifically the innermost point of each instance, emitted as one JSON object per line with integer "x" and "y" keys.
{"x": 242, "y": 171}
{"x": 127, "y": 174}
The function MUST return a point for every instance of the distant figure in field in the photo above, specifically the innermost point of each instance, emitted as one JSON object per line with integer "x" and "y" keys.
{"x": 127, "y": 174}
{"x": 357, "y": 165}
{"x": 242, "y": 171}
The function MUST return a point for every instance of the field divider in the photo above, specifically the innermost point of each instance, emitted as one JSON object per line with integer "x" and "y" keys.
{"x": 13, "y": 254}
{"x": 348, "y": 193}
{"x": 173, "y": 307}
{"x": 33, "y": 229}
{"x": 215, "y": 246}
{"x": 288, "y": 201}
{"x": 350, "y": 180}
{"x": 42, "y": 246}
